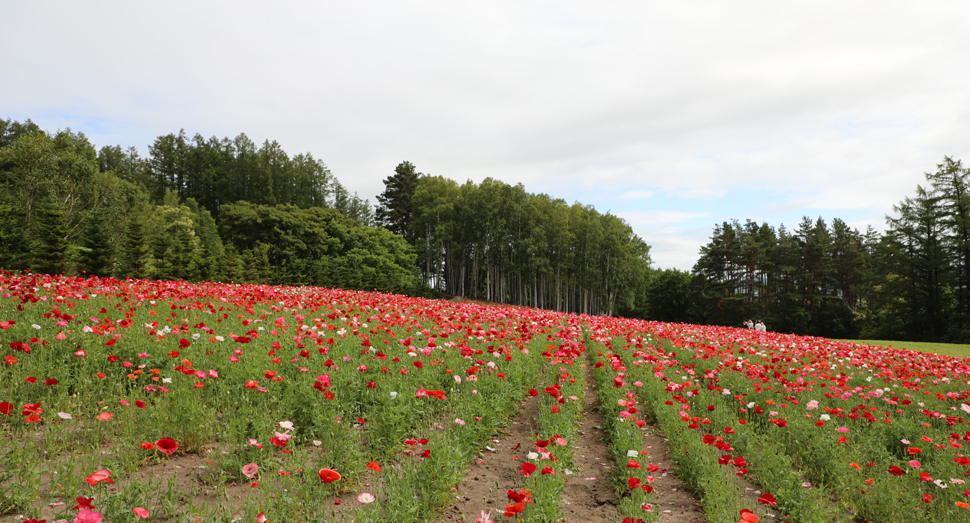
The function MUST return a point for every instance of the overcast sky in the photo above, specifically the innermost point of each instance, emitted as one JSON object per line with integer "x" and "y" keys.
{"x": 673, "y": 115}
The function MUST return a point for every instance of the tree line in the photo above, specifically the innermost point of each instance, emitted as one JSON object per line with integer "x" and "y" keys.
{"x": 227, "y": 210}
{"x": 910, "y": 283}
{"x": 497, "y": 242}
{"x": 220, "y": 210}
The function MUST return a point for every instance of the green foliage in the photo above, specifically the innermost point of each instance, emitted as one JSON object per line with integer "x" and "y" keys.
{"x": 497, "y": 242}
{"x": 215, "y": 172}
{"x": 668, "y": 296}
{"x": 396, "y": 209}
{"x": 316, "y": 246}
{"x": 50, "y": 250}
{"x": 136, "y": 258}
{"x": 97, "y": 253}
{"x": 812, "y": 281}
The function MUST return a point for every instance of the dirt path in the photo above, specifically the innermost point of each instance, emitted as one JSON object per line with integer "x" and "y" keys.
{"x": 589, "y": 495}
{"x": 673, "y": 501}
{"x": 484, "y": 485}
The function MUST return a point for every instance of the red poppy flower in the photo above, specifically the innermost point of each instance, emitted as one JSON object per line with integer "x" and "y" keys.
{"x": 148, "y": 446}
{"x": 515, "y": 497}
{"x": 373, "y": 466}
{"x": 512, "y": 509}
{"x": 328, "y": 475}
{"x": 533, "y": 392}
{"x": 140, "y": 404}
{"x": 98, "y": 477}
{"x": 184, "y": 343}
{"x": 633, "y": 482}
{"x": 767, "y": 499}
{"x": 896, "y": 471}
{"x": 547, "y": 470}
{"x": 6, "y": 408}
{"x": 527, "y": 469}
{"x": 32, "y": 408}
{"x": 83, "y": 502}
{"x": 167, "y": 445}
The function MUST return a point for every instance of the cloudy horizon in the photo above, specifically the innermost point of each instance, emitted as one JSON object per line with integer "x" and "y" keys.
{"x": 674, "y": 116}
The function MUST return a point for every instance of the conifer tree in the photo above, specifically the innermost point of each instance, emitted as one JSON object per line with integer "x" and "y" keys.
{"x": 97, "y": 257}
{"x": 136, "y": 259}
{"x": 50, "y": 248}
{"x": 395, "y": 210}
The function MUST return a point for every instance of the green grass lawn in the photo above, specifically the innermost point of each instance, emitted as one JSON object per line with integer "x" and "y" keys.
{"x": 949, "y": 349}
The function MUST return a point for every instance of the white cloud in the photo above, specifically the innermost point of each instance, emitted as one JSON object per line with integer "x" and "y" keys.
{"x": 654, "y": 218}
{"x": 635, "y": 195}
{"x": 830, "y": 107}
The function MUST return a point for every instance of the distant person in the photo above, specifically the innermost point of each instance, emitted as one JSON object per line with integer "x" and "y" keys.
{"x": 748, "y": 324}
{"x": 760, "y": 326}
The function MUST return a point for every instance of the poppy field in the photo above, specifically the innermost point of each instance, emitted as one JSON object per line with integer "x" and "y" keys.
{"x": 131, "y": 400}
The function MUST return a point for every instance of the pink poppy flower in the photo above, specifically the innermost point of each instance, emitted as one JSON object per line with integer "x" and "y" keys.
{"x": 88, "y": 516}
{"x": 250, "y": 470}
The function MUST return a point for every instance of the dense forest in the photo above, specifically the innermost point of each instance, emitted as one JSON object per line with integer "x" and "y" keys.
{"x": 221, "y": 210}
{"x": 910, "y": 283}
{"x": 227, "y": 210}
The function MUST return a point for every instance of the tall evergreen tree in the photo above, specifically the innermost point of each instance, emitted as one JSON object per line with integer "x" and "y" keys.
{"x": 14, "y": 244}
{"x": 395, "y": 210}
{"x": 97, "y": 256}
{"x": 916, "y": 258}
{"x": 136, "y": 258}
{"x": 51, "y": 250}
